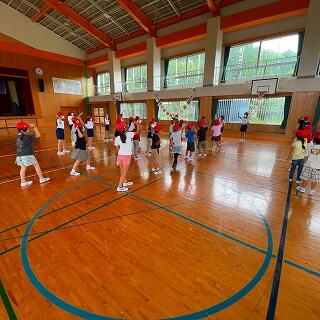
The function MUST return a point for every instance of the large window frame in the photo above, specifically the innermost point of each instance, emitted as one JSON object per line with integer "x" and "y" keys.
{"x": 190, "y": 113}
{"x": 190, "y": 71}
{"x": 136, "y": 78}
{"x": 103, "y": 83}
{"x": 132, "y": 109}
{"x": 258, "y": 58}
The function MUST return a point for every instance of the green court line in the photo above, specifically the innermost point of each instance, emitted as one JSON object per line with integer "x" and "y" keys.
{"x": 6, "y": 302}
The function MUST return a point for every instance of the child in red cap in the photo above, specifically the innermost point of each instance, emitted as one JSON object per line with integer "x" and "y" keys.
{"x": 150, "y": 131}
{"x": 190, "y": 135}
{"x": 90, "y": 132}
{"x": 155, "y": 150}
{"x": 25, "y": 153}
{"x": 202, "y": 138}
{"x": 62, "y": 150}
{"x": 311, "y": 169}
{"x": 216, "y": 134}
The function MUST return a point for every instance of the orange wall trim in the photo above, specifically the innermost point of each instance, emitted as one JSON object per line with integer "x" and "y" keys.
{"x": 29, "y": 51}
{"x": 132, "y": 51}
{"x": 98, "y": 61}
{"x": 267, "y": 13}
{"x": 182, "y": 36}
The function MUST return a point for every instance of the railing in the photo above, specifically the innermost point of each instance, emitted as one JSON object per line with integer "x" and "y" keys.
{"x": 182, "y": 80}
{"x": 102, "y": 90}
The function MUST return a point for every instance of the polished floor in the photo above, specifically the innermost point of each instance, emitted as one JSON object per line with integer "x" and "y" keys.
{"x": 200, "y": 242}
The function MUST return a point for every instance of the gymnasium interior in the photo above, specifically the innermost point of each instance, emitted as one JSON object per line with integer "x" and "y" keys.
{"x": 222, "y": 235}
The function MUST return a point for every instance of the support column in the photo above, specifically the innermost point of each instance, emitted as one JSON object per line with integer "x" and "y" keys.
{"x": 153, "y": 65}
{"x": 213, "y": 52}
{"x": 115, "y": 73}
{"x": 113, "y": 114}
{"x": 206, "y": 109}
{"x": 310, "y": 54}
{"x": 150, "y": 103}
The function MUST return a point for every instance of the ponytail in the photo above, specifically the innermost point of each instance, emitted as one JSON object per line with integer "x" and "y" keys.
{"x": 302, "y": 142}
{"x": 123, "y": 137}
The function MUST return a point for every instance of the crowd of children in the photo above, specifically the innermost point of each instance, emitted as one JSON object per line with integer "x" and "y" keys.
{"x": 127, "y": 138}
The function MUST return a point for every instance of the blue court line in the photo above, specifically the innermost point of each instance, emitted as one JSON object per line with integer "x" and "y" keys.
{"x": 278, "y": 268}
{"x": 92, "y": 316}
{"x": 302, "y": 268}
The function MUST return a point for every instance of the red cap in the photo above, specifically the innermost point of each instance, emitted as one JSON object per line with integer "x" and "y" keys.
{"x": 131, "y": 119}
{"x": 306, "y": 118}
{"x": 153, "y": 120}
{"x": 22, "y": 125}
{"x": 189, "y": 125}
{"x": 201, "y": 123}
{"x": 74, "y": 119}
{"x": 88, "y": 117}
{"x": 172, "y": 121}
{"x": 317, "y": 135}
{"x": 59, "y": 114}
{"x": 121, "y": 126}
{"x": 176, "y": 127}
{"x": 157, "y": 128}
{"x": 78, "y": 124}
{"x": 216, "y": 122}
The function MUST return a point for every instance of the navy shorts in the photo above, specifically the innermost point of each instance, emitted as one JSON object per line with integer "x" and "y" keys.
{"x": 191, "y": 146}
{"x": 60, "y": 134}
{"x": 107, "y": 127}
{"x": 244, "y": 128}
{"x": 90, "y": 133}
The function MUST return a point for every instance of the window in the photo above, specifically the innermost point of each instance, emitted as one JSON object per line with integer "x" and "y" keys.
{"x": 99, "y": 114}
{"x": 103, "y": 83}
{"x": 185, "y": 70}
{"x": 264, "y": 111}
{"x": 277, "y": 56}
{"x": 136, "y": 78}
{"x": 190, "y": 113}
{"x": 134, "y": 109}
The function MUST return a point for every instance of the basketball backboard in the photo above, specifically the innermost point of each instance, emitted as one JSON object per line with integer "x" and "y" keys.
{"x": 266, "y": 86}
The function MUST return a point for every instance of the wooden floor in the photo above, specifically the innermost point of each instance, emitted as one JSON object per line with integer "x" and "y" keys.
{"x": 200, "y": 242}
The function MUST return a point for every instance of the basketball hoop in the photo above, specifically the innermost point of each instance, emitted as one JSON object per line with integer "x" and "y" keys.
{"x": 261, "y": 94}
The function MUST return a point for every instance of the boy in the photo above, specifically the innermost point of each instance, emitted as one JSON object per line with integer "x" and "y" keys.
{"x": 155, "y": 150}
{"x": 190, "y": 134}
{"x": 202, "y": 138}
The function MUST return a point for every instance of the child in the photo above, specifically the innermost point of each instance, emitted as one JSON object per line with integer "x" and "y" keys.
{"x": 90, "y": 131}
{"x": 222, "y": 123}
{"x": 136, "y": 138}
{"x": 124, "y": 142}
{"x": 202, "y": 138}
{"x": 155, "y": 147}
{"x": 201, "y": 121}
{"x": 152, "y": 124}
{"x": 107, "y": 127}
{"x": 70, "y": 115}
{"x": 244, "y": 125}
{"x": 60, "y": 135}
{"x": 80, "y": 153}
{"x": 176, "y": 143}
{"x": 311, "y": 169}
{"x": 172, "y": 122}
{"x": 25, "y": 153}
{"x": 296, "y": 156}
{"x": 190, "y": 134}
{"x": 119, "y": 120}
{"x": 216, "y": 134}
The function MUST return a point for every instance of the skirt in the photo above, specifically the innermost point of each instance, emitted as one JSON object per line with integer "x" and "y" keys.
{"x": 244, "y": 128}
{"x": 216, "y": 139}
{"x": 90, "y": 133}
{"x": 80, "y": 155}
{"x": 309, "y": 173}
{"x": 60, "y": 134}
{"x": 26, "y": 161}
{"x": 177, "y": 149}
{"x": 123, "y": 159}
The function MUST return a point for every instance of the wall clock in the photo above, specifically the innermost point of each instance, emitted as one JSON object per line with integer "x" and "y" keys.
{"x": 38, "y": 71}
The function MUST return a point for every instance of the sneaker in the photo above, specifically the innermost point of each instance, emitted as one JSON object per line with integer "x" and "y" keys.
{"x": 136, "y": 158}
{"x": 290, "y": 180}
{"x": 300, "y": 189}
{"x": 25, "y": 183}
{"x": 122, "y": 189}
{"x": 153, "y": 169}
{"x": 157, "y": 172}
{"x": 90, "y": 168}
{"x": 60, "y": 153}
{"x": 298, "y": 181}
{"x": 312, "y": 192}
{"x": 74, "y": 173}
{"x": 43, "y": 180}
{"x": 128, "y": 183}
{"x": 204, "y": 154}
{"x": 66, "y": 151}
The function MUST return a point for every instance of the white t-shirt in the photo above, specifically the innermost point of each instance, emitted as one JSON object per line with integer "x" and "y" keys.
{"x": 245, "y": 120}
{"x": 132, "y": 127}
{"x": 60, "y": 124}
{"x": 70, "y": 120}
{"x": 125, "y": 148}
{"x": 107, "y": 121}
{"x": 313, "y": 156}
{"x": 89, "y": 125}
{"x": 176, "y": 138}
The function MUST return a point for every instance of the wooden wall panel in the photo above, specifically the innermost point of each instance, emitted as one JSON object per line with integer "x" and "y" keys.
{"x": 45, "y": 103}
{"x": 302, "y": 104}
{"x": 150, "y": 109}
{"x": 206, "y": 108}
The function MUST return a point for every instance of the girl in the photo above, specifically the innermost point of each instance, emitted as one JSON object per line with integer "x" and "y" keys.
{"x": 25, "y": 153}
{"x": 80, "y": 153}
{"x": 107, "y": 127}
{"x": 216, "y": 134}
{"x": 155, "y": 147}
{"x": 70, "y": 115}
{"x": 176, "y": 143}
{"x": 202, "y": 138}
{"x": 296, "y": 156}
{"x": 60, "y": 135}
{"x": 152, "y": 124}
{"x": 90, "y": 132}
{"x": 136, "y": 138}
{"x": 311, "y": 169}
{"x": 170, "y": 134}
{"x": 124, "y": 142}
{"x": 244, "y": 125}
{"x": 190, "y": 134}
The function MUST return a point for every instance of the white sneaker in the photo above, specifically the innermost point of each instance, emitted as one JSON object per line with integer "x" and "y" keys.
{"x": 290, "y": 180}
{"x": 300, "y": 189}
{"x": 66, "y": 151}
{"x": 128, "y": 183}
{"x": 157, "y": 172}
{"x": 92, "y": 148}
{"x": 136, "y": 158}
{"x": 90, "y": 168}
{"x": 25, "y": 183}
{"x": 122, "y": 189}
{"x": 312, "y": 192}
{"x": 74, "y": 173}
{"x": 60, "y": 153}
{"x": 298, "y": 181}
{"x": 204, "y": 154}
{"x": 153, "y": 169}
{"x": 43, "y": 180}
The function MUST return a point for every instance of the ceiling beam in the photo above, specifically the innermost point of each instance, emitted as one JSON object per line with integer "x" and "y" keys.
{"x": 214, "y": 8}
{"x": 40, "y": 13}
{"x": 138, "y": 15}
{"x": 175, "y": 9}
{"x": 76, "y": 18}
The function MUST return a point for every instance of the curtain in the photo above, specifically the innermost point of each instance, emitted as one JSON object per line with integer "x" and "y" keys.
{"x": 316, "y": 117}
{"x": 166, "y": 68}
{"x": 214, "y": 108}
{"x": 125, "y": 86}
{"x": 287, "y": 103}
{"x": 225, "y": 63}
{"x": 23, "y": 88}
{"x": 156, "y": 110}
{"x": 300, "y": 45}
